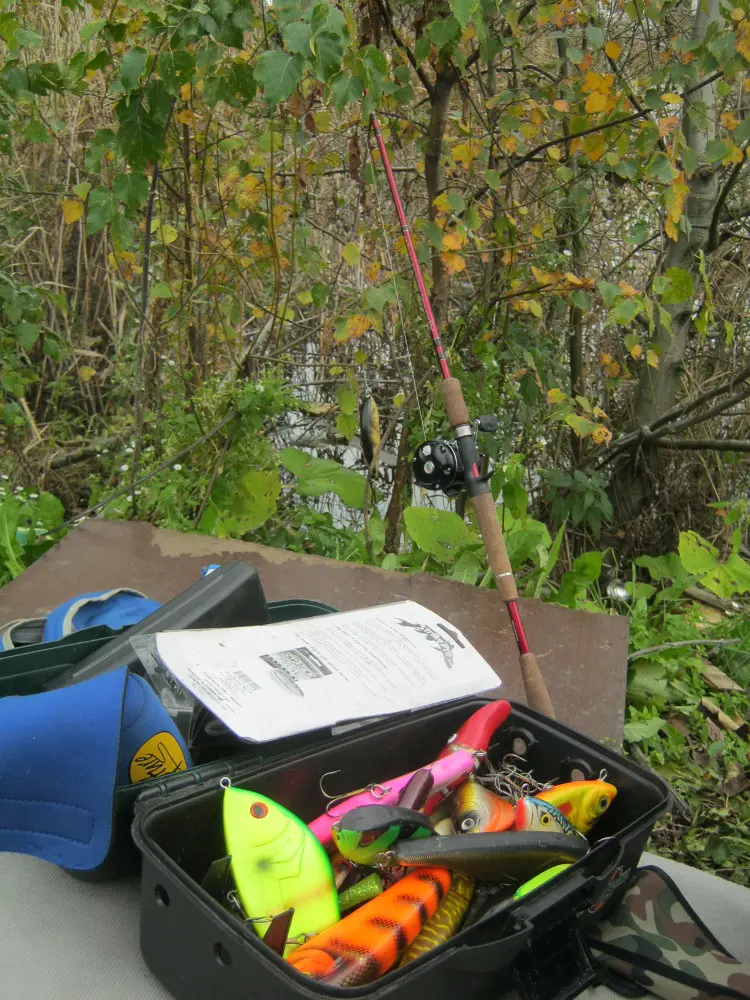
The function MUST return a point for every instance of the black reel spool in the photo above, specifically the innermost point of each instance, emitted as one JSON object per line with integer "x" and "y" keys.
{"x": 437, "y": 465}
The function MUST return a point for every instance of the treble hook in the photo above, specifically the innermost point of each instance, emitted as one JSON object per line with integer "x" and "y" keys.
{"x": 377, "y": 791}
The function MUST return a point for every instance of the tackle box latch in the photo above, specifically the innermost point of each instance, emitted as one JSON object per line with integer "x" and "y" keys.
{"x": 558, "y": 966}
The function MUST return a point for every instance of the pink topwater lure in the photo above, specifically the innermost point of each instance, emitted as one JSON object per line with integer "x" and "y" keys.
{"x": 474, "y": 735}
{"x": 445, "y": 772}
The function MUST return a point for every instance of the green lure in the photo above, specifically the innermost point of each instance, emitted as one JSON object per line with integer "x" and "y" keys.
{"x": 362, "y": 892}
{"x": 366, "y": 831}
{"x": 538, "y": 880}
{"x": 277, "y": 865}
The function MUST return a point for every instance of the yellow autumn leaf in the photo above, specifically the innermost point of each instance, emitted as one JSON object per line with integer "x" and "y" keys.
{"x": 627, "y": 289}
{"x": 399, "y": 400}
{"x": 442, "y": 204}
{"x": 597, "y": 83}
{"x": 465, "y": 153}
{"x": 671, "y": 229}
{"x": 538, "y": 231}
{"x": 600, "y": 414}
{"x": 735, "y": 155}
{"x": 737, "y": 14}
{"x": 453, "y": 262}
{"x": 535, "y": 308}
{"x": 555, "y": 153}
{"x": 613, "y": 369}
{"x": 356, "y": 325}
{"x": 730, "y": 121}
{"x": 185, "y": 117}
{"x": 605, "y": 359}
{"x": 280, "y": 214}
{"x": 542, "y": 277}
{"x": 561, "y": 105}
{"x": 185, "y": 92}
{"x": 249, "y": 191}
{"x": 573, "y": 279}
{"x": 613, "y": 50}
{"x": 509, "y": 144}
{"x": 636, "y": 351}
{"x": 652, "y": 358}
{"x": 595, "y": 102}
{"x": 453, "y": 240}
{"x": 594, "y": 147}
{"x": 372, "y": 271}
{"x": 671, "y": 98}
{"x": 351, "y": 254}
{"x": 72, "y": 209}
{"x": 85, "y": 373}
{"x": 555, "y": 396}
{"x": 601, "y": 435}
{"x": 742, "y": 40}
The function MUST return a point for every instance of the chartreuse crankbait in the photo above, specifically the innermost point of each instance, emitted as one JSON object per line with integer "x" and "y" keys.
{"x": 475, "y": 809}
{"x": 536, "y": 814}
{"x": 364, "y": 833}
{"x": 370, "y": 941}
{"x": 580, "y": 802}
{"x": 538, "y": 880}
{"x": 446, "y": 921}
{"x": 277, "y": 865}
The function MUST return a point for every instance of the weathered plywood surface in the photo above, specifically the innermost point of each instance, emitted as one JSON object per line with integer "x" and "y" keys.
{"x": 583, "y": 656}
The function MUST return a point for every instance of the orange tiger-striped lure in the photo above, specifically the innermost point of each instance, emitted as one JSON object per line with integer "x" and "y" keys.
{"x": 446, "y": 921}
{"x": 369, "y": 942}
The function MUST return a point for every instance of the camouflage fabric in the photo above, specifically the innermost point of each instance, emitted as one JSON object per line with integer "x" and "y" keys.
{"x": 656, "y": 939}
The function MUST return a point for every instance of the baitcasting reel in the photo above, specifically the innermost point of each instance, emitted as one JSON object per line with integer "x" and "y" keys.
{"x": 437, "y": 465}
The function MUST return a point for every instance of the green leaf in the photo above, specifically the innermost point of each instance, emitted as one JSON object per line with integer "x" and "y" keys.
{"x": 257, "y": 495}
{"x": 443, "y": 31}
{"x": 608, "y": 292}
{"x": 329, "y": 53}
{"x": 377, "y": 298}
{"x": 316, "y": 476}
{"x": 347, "y": 425}
{"x": 647, "y": 684}
{"x": 463, "y": 10}
{"x": 696, "y": 554}
{"x": 50, "y": 511}
{"x": 132, "y": 189}
{"x": 347, "y": 401}
{"x": 91, "y": 30}
{"x": 636, "y": 732}
{"x": 439, "y": 533}
{"x": 351, "y": 254}
{"x": 278, "y": 74}
{"x": 586, "y": 570}
{"x": 27, "y": 335}
{"x": 661, "y": 168}
{"x": 580, "y": 299}
{"x": 132, "y": 66}
{"x": 679, "y": 286}
{"x": 581, "y": 425}
{"x": 625, "y": 311}
{"x": 595, "y": 36}
{"x": 717, "y": 149}
{"x": 36, "y": 132}
{"x": 740, "y": 573}
{"x": 467, "y": 568}
{"x": 100, "y": 210}
{"x": 492, "y": 180}
{"x": 10, "y": 550}
{"x": 740, "y": 134}
{"x": 297, "y": 35}
{"x": 176, "y": 69}
{"x": 689, "y": 161}
{"x": 141, "y": 136}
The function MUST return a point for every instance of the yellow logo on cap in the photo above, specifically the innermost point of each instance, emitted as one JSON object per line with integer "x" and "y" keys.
{"x": 159, "y": 755}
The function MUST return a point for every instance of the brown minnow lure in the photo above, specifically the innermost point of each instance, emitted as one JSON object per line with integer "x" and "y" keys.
{"x": 493, "y": 857}
{"x": 475, "y": 809}
{"x": 415, "y": 794}
{"x": 446, "y": 921}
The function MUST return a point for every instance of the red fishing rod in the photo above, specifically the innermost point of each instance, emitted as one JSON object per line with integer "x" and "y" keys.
{"x": 476, "y": 485}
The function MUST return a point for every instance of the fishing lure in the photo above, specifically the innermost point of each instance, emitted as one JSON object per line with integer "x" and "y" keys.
{"x": 453, "y": 768}
{"x": 446, "y": 921}
{"x": 493, "y": 857}
{"x": 414, "y": 794}
{"x": 538, "y": 880}
{"x": 475, "y": 809}
{"x": 362, "y": 892}
{"x": 277, "y": 865}
{"x": 365, "y": 832}
{"x": 369, "y": 432}
{"x": 474, "y": 735}
{"x": 580, "y": 802}
{"x": 536, "y": 814}
{"x": 369, "y": 942}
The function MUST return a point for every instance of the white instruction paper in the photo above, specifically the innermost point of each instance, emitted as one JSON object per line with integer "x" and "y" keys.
{"x": 269, "y": 681}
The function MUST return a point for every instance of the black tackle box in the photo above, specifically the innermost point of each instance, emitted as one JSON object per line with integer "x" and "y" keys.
{"x": 198, "y": 949}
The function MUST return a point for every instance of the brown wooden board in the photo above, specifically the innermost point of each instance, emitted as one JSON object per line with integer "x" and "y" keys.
{"x": 583, "y": 656}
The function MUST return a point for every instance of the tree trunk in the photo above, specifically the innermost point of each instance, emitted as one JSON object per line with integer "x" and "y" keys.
{"x": 658, "y": 388}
